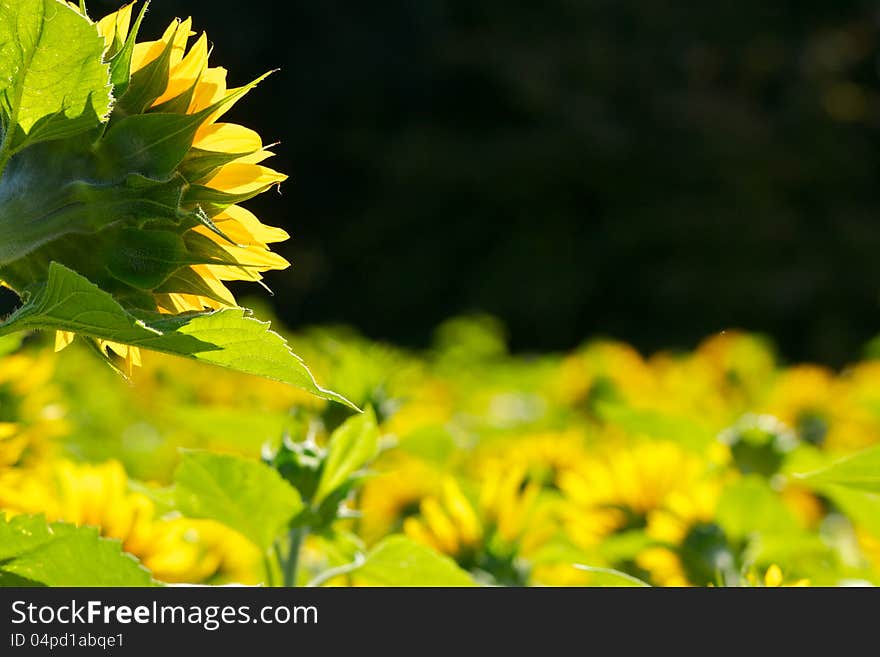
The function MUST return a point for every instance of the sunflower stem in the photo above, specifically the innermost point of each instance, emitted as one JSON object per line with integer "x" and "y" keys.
{"x": 297, "y": 536}
{"x": 270, "y": 571}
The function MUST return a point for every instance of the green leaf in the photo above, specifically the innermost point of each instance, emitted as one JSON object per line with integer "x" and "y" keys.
{"x": 610, "y": 577}
{"x": 399, "y": 561}
{"x": 53, "y": 82}
{"x": 861, "y": 507}
{"x": 351, "y": 446}
{"x": 750, "y": 506}
{"x": 247, "y": 496}
{"x": 10, "y": 343}
{"x": 860, "y": 471}
{"x": 229, "y": 338}
{"x": 60, "y": 554}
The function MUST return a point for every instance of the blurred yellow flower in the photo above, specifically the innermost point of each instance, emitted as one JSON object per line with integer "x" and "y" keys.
{"x": 688, "y": 547}
{"x": 393, "y": 495}
{"x": 30, "y": 412}
{"x": 773, "y": 578}
{"x": 616, "y": 488}
{"x": 604, "y": 369}
{"x": 175, "y": 549}
{"x": 545, "y": 456}
{"x": 495, "y": 533}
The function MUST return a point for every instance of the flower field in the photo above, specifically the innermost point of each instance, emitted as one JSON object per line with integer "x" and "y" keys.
{"x": 599, "y": 467}
{"x": 153, "y": 431}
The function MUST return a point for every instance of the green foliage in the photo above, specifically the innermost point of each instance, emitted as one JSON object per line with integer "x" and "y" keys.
{"x": 611, "y": 577}
{"x": 860, "y": 471}
{"x": 53, "y": 82}
{"x": 351, "y": 446}
{"x": 247, "y": 496}
{"x": 228, "y": 338}
{"x": 120, "y": 60}
{"x": 399, "y": 561}
{"x": 750, "y": 507}
{"x": 500, "y": 469}
{"x": 34, "y": 552}
{"x": 94, "y": 223}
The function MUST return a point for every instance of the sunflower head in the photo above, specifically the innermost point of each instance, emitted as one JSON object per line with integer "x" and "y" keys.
{"x": 147, "y": 204}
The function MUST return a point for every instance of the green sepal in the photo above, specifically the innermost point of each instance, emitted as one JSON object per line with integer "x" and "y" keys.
{"x": 57, "y": 208}
{"x": 204, "y": 250}
{"x": 154, "y": 144}
{"x": 144, "y": 259}
{"x": 187, "y": 281}
{"x": 120, "y": 61}
{"x": 149, "y": 144}
{"x": 201, "y": 165}
{"x": 179, "y": 104}
{"x": 213, "y": 201}
{"x": 148, "y": 83}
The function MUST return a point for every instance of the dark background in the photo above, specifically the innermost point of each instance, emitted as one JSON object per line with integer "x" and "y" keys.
{"x": 653, "y": 171}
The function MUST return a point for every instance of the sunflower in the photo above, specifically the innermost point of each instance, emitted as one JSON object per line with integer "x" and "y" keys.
{"x": 604, "y": 370}
{"x": 161, "y": 182}
{"x": 492, "y": 535}
{"x": 30, "y": 413}
{"x": 689, "y": 547}
{"x": 545, "y": 455}
{"x": 614, "y": 490}
{"x": 174, "y": 549}
{"x": 393, "y": 495}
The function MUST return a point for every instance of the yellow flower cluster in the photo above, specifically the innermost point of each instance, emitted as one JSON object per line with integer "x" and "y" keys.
{"x": 598, "y": 467}
{"x": 678, "y": 469}
{"x": 175, "y": 549}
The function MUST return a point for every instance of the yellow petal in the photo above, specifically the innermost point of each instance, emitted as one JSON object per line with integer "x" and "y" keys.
{"x": 131, "y": 356}
{"x": 440, "y": 524}
{"x": 462, "y": 512}
{"x": 255, "y": 158}
{"x": 417, "y": 531}
{"x": 63, "y": 339}
{"x": 237, "y": 178}
{"x": 214, "y": 92}
{"x": 773, "y": 576}
{"x": 116, "y": 25}
{"x": 184, "y": 32}
{"x": 249, "y": 256}
{"x": 176, "y": 303}
{"x": 217, "y": 287}
{"x": 260, "y": 233}
{"x": 146, "y": 51}
{"x": 228, "y": 138}
{"x": 210, "y": 89}
{"x": 184, "y": 75}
